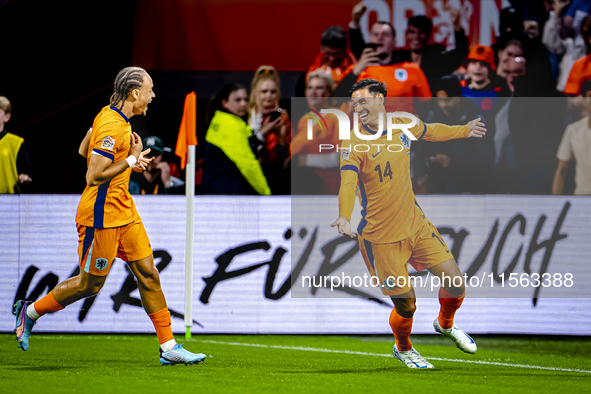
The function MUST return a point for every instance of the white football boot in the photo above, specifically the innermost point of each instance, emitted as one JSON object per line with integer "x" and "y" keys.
{"x": 411, "y": 358}
{"x": 462, "y": 340}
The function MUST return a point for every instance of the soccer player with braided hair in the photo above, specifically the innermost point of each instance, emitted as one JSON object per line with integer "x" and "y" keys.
{"x": 109, "y": 225}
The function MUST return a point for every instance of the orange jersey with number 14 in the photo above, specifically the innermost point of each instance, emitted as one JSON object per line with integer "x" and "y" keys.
{"x": 390, "y": 211}
{"x": 109, "y": 204}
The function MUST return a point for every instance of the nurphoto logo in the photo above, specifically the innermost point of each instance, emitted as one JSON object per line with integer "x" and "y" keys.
{"x": 345, "y": 128}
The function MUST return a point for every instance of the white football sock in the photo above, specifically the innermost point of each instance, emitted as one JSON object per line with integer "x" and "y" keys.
{"x": 168, "y": 345}
{"x": 32, "y": 313}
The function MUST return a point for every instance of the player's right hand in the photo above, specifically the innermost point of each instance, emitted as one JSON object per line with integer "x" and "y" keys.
{"x": 343, "y": 226}
{"x": 368, "y": 58}
{"x": 136, "y": 145}
{"x": 477, "y": 129}
{"x": 142, "y": 161}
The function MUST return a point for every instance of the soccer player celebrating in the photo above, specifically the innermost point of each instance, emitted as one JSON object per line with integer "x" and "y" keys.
{"x": 108, "y": 223}
{"x": 394, "y": 229}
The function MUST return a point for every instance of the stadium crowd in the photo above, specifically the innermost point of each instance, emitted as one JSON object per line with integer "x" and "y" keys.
{"x": 532, "y": 88}
{"x": 528, "y": 88}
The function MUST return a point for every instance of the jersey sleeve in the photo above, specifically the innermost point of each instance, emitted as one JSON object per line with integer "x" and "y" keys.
{"x": 565, "y": 151}
{"x": 350, "y": 160}
{"x": 350, "y": 165}
{"x": 347, "y": 194}
{"x": 442, "y": 132}
{"x": 109, "y": 139}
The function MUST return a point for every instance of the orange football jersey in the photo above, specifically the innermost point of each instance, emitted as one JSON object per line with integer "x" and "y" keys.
{"x": 579, "y": 74}
{"x": 390, "y": 211}
{"x": 109, "y": 204}
{"x": 405, "y": 81}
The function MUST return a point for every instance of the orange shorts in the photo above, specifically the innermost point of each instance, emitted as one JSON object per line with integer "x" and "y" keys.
{"x": 98, "y": 247}
{"x": 424, "y": 250}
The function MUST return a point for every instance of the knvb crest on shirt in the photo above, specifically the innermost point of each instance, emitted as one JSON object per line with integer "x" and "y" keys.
{"x": 101, "y": 264}
{"x": 404, "y": 140}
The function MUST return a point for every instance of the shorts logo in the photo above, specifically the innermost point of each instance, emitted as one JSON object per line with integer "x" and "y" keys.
{"x": 108, "y": 143}
{"x": 401, "y": 74}
{"x": 405, "y": 140}
{"x": 101, "y": 264}
{"x": 345, "y": 154}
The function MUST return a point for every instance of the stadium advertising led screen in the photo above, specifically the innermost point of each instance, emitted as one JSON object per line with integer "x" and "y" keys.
{"x": 254, "y": 256}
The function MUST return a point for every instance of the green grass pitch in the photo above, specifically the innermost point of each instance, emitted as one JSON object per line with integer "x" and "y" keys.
{"x": 280, "y": 363}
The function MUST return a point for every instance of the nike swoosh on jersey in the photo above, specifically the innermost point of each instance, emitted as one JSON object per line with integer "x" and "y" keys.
{"x": 376, "y": 154}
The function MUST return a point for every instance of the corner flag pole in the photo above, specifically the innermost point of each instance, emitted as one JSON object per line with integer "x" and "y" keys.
{"x": 185, "y": 150}
{"x": 190, "y": 191}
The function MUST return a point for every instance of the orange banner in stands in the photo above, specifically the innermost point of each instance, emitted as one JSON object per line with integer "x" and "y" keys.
{"x": 235, "y": 35}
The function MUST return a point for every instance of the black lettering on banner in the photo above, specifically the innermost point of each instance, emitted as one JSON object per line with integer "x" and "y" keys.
{"x": 534, "y": 246}
{"x": 51, "y": 280}
{"x": 457, "y": 240}
{"x": 48, "y": 282}
{"x": 481, "y": 258}
{"x": 548, "y": 244}
{"x": 495, "y": 265}
{"x": 129, "y": 285}
{"x": 225, "y": 259}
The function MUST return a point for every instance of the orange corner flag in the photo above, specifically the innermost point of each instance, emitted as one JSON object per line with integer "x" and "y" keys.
{"x": 188, "y": 131}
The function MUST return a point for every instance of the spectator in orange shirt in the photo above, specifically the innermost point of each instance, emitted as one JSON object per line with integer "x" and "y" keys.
{"x": 433, "y": 58}
{"x": 316, "y": 172}
{"x": 334, "y": 57}
{"x": 581, "y": 70}
{"x": 404, "y": 79}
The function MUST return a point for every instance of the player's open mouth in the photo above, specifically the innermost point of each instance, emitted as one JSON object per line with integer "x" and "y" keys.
{"x": 363, "y": 115}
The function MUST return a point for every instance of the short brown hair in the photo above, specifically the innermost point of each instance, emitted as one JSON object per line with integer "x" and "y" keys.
{"x": 5, "y": 105}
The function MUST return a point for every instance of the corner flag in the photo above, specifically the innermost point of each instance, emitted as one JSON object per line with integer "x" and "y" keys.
{"x": 188, "y": 130}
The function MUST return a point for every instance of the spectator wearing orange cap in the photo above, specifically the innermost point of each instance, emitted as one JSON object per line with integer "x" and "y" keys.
{"x": 482, "y": 85}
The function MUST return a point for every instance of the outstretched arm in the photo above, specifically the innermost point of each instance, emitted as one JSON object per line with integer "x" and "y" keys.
{"x": 440, "y": 132}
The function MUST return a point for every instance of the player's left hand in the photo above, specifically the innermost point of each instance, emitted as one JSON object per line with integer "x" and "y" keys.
{"x": 142, "y": 161}
{"x": 477, "y": 129}
{"x": 343, "y": 226}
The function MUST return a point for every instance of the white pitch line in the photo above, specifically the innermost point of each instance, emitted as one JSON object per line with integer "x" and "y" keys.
{"x": 312, "y": 349}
